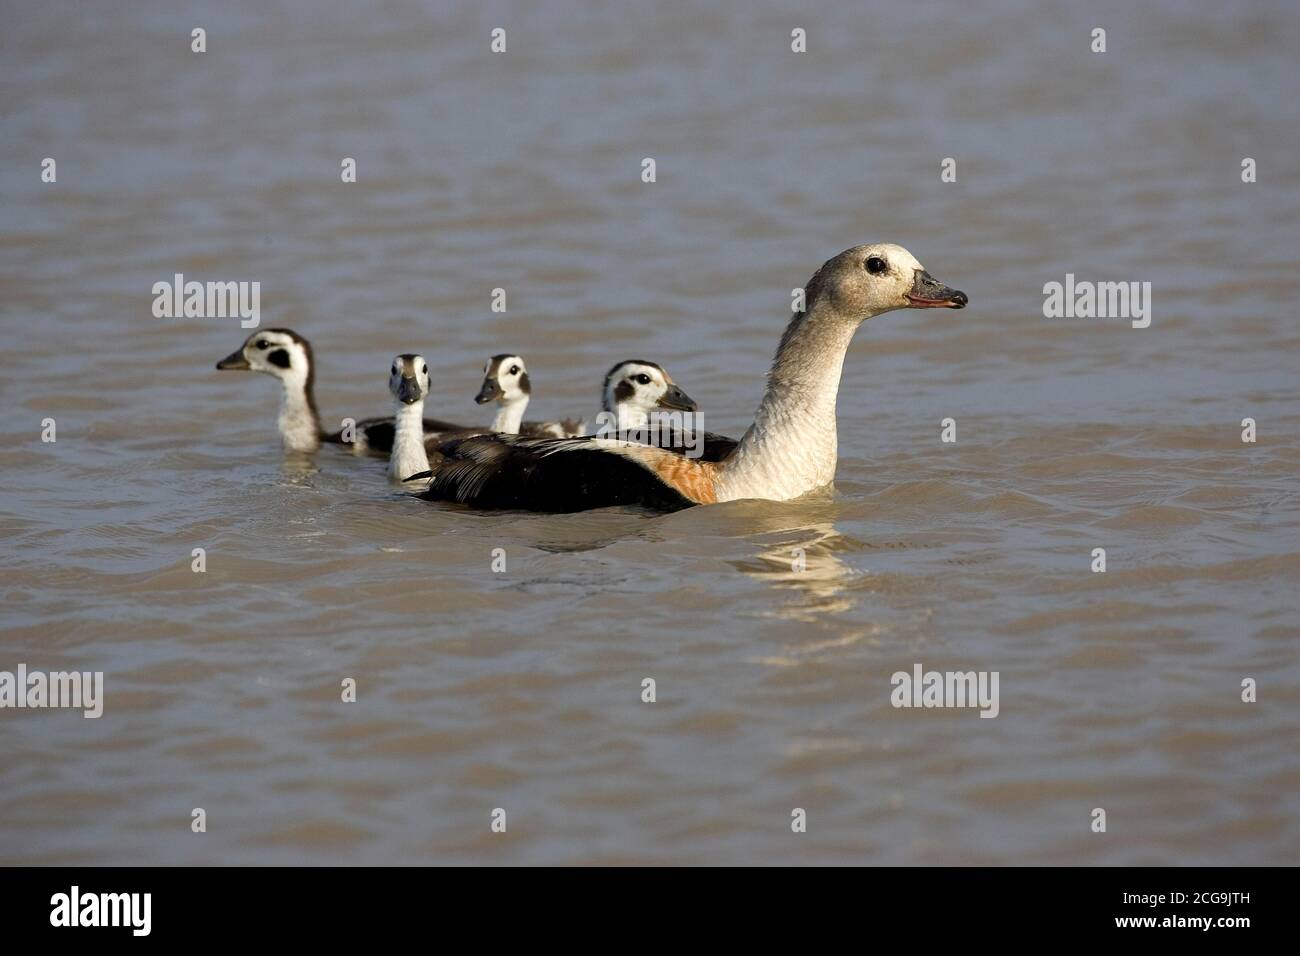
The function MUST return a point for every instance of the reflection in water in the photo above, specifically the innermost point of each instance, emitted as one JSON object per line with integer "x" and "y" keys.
{"x": 600, "y": 531}
{"x": 298, "y": 470}
{"x": 803, "y": 561}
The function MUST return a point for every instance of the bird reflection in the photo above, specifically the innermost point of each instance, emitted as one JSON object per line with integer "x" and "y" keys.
{"x": 804, "y": 559}
{"x": 298, "y": 469}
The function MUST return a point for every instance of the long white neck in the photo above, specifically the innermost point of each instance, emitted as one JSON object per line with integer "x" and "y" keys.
{"x": 299, "y": 421}
{"x": 408, "y": 456}
{"x": 791, "y": 448}
{"x": 510, "y": 415}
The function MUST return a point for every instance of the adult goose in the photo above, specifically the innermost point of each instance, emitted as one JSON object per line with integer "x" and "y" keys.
{"x": 789, "y": 450}
{"x": 506, "y": 382}
{"x": 288, "y": 356}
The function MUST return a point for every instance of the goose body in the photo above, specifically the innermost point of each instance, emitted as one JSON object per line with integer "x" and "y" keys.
{"x": 558, "y": 475}
{"x": 790, "y": 450}
{"x": 633, "y": 394}
{"x": 506, "y": 382}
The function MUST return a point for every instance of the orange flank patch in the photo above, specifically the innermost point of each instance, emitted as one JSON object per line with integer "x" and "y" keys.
{"x": 690, "y": 477}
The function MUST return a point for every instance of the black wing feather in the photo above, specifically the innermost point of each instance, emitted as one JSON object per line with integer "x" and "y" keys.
{"x": 714, "y": 448}
{"x": 505, "y": 471}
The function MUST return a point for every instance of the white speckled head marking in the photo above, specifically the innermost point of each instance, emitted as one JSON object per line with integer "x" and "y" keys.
{"x": 791, "y": 447}
{"x": 288, "y": 356}
{"x": 408, "y": 381}
{"x": 635, "y": 388}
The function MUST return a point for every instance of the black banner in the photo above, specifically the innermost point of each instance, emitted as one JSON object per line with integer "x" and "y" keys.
{"x": 111, "y": 906}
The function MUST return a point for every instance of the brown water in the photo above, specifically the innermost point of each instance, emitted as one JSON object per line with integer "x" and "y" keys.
{"x": 522, "y": 690}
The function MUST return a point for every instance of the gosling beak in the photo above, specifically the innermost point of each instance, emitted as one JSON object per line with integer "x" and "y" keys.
{"x": 408, "y": 391}
{"x": 929, "y": 293}
{"x": 234, "y": 360}
{"x": 490, "y": 392}
{"x": 676, "y": 398}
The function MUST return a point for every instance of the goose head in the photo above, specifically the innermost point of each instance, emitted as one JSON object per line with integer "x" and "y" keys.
{"x": 505, "y": 381}
{"x": 635, "y": 388}
{"x": 873, "y": 279}
{"x": 408, "y": 379}
{"x": 279, "y": 352}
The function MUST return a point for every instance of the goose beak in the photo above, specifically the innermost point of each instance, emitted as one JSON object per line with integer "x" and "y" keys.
{"x": 235, "y": 360}
{"x": 490, "y": 392}
{"x": 408, "y": 391}
{"x": 676, "y": 398}
{"x": 929, "y": 293}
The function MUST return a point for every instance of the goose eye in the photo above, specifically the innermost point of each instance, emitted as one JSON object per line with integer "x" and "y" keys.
{"x": 262, "y": 344}
{"x": 425, "y": 370}
{"x": 876, "y": 265}
{"x": 643, "y": 379}
{"x": 514, "y": 370}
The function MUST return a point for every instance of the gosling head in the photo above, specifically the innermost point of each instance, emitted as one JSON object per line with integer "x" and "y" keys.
{"x": 635, "y": 388}
{"x": 408, "y": 379}
{"x": 279, "y": 352}
{"x": 873, "y": 279}
{"x": 286, "y": 355}
{"x": 505, "y": 381}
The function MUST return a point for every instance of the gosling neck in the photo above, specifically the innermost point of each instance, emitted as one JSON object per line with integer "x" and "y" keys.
{"x": 408, "y": 456}
{"x": 510, "y": 415}
{"x": 299, "y": 421}
{"x": 632, "y": 417}
{"x": 629, "y": 413}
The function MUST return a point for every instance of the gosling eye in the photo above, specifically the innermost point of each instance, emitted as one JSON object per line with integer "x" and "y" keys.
{"x": 263, "y": 344}
{"x": 514, "y": 370}
{"x": 876, "y": 265}
{"x": 643, "y": 379}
